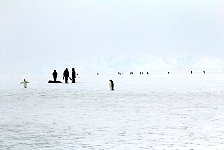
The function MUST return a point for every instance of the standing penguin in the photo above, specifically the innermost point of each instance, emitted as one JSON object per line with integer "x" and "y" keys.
{"x": 24, "y": 83}
{"x": 111, "y": 85}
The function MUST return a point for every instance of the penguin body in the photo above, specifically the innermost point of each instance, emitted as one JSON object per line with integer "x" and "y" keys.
{"x": 111, "y": 85}
{"x": 24, "y": 83}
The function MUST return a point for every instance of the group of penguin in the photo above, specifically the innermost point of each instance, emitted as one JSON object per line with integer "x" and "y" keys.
{"x": 111, "y": 84}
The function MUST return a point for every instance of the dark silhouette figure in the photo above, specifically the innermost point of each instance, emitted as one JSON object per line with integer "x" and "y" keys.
{"x": 191, "y": 72}
{"x": 131, "y": 73}
{"x": 147, "y": 73}
{"x": 55, "y": 75}
{"x": 168, "y": 72}
{"x": 97, "y": 73}
{"x": 66, "y": 75}
{"x": 73, "y": 75}
{"x": 204, "y": 72}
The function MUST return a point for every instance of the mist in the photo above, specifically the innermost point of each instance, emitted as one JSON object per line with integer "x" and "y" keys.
{"x": 38, "y": 36}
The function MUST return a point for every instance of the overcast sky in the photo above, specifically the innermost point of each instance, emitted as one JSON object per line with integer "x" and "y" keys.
{"x": 38, "y": 35}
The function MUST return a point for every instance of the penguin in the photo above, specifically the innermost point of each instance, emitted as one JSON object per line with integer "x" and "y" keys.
{"x": 111, "y": 85}
{"x": 24, "y": 83}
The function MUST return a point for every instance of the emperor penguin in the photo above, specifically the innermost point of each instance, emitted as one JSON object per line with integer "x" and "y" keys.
{"x": 111, "y": 85}
{"x": 24, "y": 83}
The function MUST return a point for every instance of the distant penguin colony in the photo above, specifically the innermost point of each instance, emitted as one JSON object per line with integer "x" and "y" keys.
{"x": 66, "y": 76}
{"x": 111, "y": 85}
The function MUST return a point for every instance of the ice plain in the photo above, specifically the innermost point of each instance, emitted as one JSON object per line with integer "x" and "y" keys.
{"x": 155, "y": 112}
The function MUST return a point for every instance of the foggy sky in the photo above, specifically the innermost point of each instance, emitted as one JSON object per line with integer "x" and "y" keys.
{"x": 40, "y": 35}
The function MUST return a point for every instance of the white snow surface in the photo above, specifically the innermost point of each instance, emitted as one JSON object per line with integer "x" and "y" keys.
{"x": 155, "y": 112}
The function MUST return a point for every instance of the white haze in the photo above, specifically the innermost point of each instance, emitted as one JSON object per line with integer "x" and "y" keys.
{"x": 39, "y": 36}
